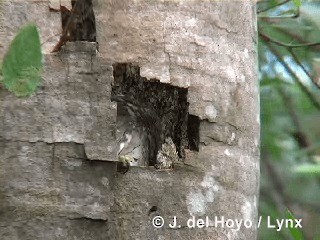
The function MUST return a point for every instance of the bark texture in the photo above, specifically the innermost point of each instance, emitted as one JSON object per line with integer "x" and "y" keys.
{"x": 58, "y": 176}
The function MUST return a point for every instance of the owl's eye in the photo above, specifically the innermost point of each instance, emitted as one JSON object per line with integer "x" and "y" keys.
{"x": 134, "y": 162}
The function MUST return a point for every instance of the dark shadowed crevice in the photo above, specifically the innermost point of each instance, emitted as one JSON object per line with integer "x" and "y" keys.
{"x": 193, "y": 132}
{"x": 84, "y": 25}
{"x": 78, "y": 24}
{"x": 151, "y": 97}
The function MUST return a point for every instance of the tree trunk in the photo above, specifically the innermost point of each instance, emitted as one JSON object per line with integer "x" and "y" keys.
{"x": 194, "y": 62}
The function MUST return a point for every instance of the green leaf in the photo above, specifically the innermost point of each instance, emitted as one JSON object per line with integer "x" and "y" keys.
{"x": 308, "y": 169}
{"x": 296, "y": 233}
{"x": 297, "y": 3}
{"x": 22, "y": 64}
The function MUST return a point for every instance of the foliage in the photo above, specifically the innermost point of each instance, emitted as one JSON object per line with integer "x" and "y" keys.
{"x": 296, "y": 233}
{"x": 308, "y": 169}
{"x": 22, "y": 64}
{"x": 288, "y": 47}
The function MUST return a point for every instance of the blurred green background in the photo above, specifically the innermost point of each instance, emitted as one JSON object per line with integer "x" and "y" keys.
{"x": 289, "y": 74}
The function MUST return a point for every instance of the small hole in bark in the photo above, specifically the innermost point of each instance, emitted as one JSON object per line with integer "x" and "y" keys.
{"x": 153, "y": 112}
{"x": 152, "y": 209}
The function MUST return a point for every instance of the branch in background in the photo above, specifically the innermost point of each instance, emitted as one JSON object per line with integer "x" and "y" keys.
{"x": 296, "y": 15}
{"x": 299, "y": 38}
{"x": 294, "y": 75}
{"x": 267, "y": 9}
{"x": 279, "y": 196}
{"x": 287, "y": 101}
{"x": 301, "y": 138}
{"x": 294, "y": 56}
{"x": 268, "y": 39}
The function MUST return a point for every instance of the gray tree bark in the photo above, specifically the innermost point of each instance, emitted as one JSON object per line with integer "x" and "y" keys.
{"x": 58, "y": 177}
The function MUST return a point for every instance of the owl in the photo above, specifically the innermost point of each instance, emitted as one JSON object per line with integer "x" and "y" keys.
{"x": 142, "y": 141}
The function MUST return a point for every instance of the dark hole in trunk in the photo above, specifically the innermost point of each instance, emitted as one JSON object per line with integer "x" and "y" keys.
{"x": 159, "y": 109}
{"x": 79, "y": 23}
{"x": 193, "y": 132}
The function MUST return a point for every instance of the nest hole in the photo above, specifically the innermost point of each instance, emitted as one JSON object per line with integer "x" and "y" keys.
{"x": 169, "y": 104}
